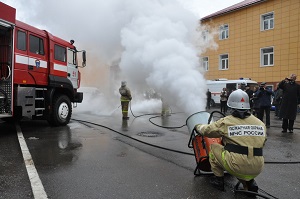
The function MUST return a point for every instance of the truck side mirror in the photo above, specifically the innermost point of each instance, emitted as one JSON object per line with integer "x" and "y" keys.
{"x": 83, "y": 58}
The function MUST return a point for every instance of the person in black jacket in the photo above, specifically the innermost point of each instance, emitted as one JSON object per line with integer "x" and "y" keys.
{"x": 208, "y": 94}
{"x": 250, "y": 94}
{"x": 277, "y": 101}
{"x": 255, "y": 110}
{"x": 264, "y": 95}
{"x": 290, "y": 99}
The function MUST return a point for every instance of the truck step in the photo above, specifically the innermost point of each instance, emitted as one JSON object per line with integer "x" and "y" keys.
{"x": 39, "y": 109}
{"x": 40, "y": 89}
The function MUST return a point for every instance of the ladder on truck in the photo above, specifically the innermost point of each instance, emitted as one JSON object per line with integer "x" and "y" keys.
{"x": 40, "y": 101}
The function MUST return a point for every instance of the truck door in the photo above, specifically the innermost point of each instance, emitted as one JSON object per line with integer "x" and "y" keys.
{"x": 30, "y": 56}
{"x": 72, "y": 67}
{"x": 21, "y": 56}
{"x": 6, "y": 67}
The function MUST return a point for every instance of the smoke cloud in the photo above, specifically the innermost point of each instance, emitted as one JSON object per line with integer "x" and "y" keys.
{"x": 154, "y": 42}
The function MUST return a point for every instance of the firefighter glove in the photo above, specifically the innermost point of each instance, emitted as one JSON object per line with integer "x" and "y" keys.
{"x": 198, "y": 128}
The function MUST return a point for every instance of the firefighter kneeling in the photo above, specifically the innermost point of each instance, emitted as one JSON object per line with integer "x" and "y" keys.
{"x": 243, "y": 136}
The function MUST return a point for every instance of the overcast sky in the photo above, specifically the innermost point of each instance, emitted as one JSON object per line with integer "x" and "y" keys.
{"x": 201, "y": 7}
{"x": 154, "y": 42}
{"x": 207, "y": 7}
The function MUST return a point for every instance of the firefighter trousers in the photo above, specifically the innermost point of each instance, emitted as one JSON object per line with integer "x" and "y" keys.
{"x": 215, "y": 160}
{"x": 219, "y": 164}
{"x": 125, "y": 105}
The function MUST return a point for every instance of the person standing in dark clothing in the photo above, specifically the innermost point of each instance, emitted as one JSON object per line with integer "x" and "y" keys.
{"x": 277, "y": 100}
{"x": 255, "y": 100}
{"x": 288, "y": 110}
{"x": 250, "y": 94}
{"x": 208, "y": 94}
{"x": 264, "y": 96}
{"x": 223, "y": 100}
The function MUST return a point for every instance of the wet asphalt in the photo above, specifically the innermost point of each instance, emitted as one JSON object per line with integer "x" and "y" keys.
{"x": 145, "y": 157}
{"x": 279, "y": 178}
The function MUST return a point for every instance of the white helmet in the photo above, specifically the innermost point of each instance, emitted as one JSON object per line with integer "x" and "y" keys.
{"x": 238, "y": 99}
{"x": 123, "y": 83}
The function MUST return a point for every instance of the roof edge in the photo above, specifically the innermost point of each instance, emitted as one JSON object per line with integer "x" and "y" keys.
{"x": 233, "y": 8}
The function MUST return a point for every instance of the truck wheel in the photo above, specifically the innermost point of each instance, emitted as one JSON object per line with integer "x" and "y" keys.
{"x": 61, "y": 111}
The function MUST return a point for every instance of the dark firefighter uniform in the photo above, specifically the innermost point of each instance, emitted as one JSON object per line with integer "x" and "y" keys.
{"x": 125, "y": 99}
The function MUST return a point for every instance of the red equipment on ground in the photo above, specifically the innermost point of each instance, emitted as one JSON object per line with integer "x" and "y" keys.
{"x": 39, "y": 74}
{"x": 201, "y": 144}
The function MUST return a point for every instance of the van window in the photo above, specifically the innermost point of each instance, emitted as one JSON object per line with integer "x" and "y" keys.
{"x": 21, "y": 40}
{"x": 59, "y": 53}
{"x": 231, "y": 87}
{"x": 36, "y": 45}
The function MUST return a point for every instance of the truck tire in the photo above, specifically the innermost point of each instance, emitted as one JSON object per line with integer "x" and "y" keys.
{"x": 61, "y": 111}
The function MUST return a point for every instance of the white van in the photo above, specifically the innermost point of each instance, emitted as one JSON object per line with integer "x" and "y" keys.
{"x": 216, "y": 86}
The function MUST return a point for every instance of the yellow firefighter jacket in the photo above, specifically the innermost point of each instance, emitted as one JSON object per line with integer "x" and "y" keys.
{"x": 249, "y": 132}
{"x": 125, "y": 93}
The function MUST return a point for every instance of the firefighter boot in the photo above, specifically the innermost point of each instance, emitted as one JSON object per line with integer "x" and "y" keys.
{"x": 252, "y": 186}
{"x": 217, "y": 182}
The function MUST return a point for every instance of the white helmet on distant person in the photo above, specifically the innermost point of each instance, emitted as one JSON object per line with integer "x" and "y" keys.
{"x": 123, "y": 83}
{"x": 238, "y": 99}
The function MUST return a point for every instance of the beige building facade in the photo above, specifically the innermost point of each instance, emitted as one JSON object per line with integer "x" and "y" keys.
{"x": 257, "y": 39}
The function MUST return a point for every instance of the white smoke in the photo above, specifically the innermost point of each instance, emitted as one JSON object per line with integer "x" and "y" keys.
{"x": 154, "y": 39}
{"x": 159, "y": 51}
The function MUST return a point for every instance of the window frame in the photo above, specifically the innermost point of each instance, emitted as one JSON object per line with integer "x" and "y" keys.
{"x": 262, "y": 56}
{"x": 41, "y": 45}
{"x": 270, "y": 21}
{"x": 204, "y": 35}
{"x": 226, "y": 32}
{"x": 58, "y": 58}
{"x": 226, "y": 62}
{"x": 205, "y": 63}
{"x": 23, "y": 42}
{"x": 71, "y": 56}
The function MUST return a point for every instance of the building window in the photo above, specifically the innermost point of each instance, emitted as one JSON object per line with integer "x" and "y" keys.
{"x": 224, "y": 32}
{"x": 205, "y": 63}
{"x": 224, "y": 62}
{"x": 267, "y": 56}
{"x": 36, "y": 45}
{"x": 204, "y": 35}
{"x": 21, "y": 42}
{"x": 267, "y": 21}
{"x": 59, "y": 53}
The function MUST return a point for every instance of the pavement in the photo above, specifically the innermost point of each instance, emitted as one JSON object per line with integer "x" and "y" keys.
{"x": 279, "y": 178}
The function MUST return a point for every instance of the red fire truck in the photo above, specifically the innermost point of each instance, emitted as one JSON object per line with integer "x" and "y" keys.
{"x": 39, "y": 74}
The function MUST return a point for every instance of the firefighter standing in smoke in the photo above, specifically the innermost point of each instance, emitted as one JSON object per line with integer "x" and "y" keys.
{"x": 243, "y": 136}
{"x": 125, "y": 99}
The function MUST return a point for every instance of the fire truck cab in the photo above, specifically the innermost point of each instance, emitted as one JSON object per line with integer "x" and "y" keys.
{"x": 39, "y": 74}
